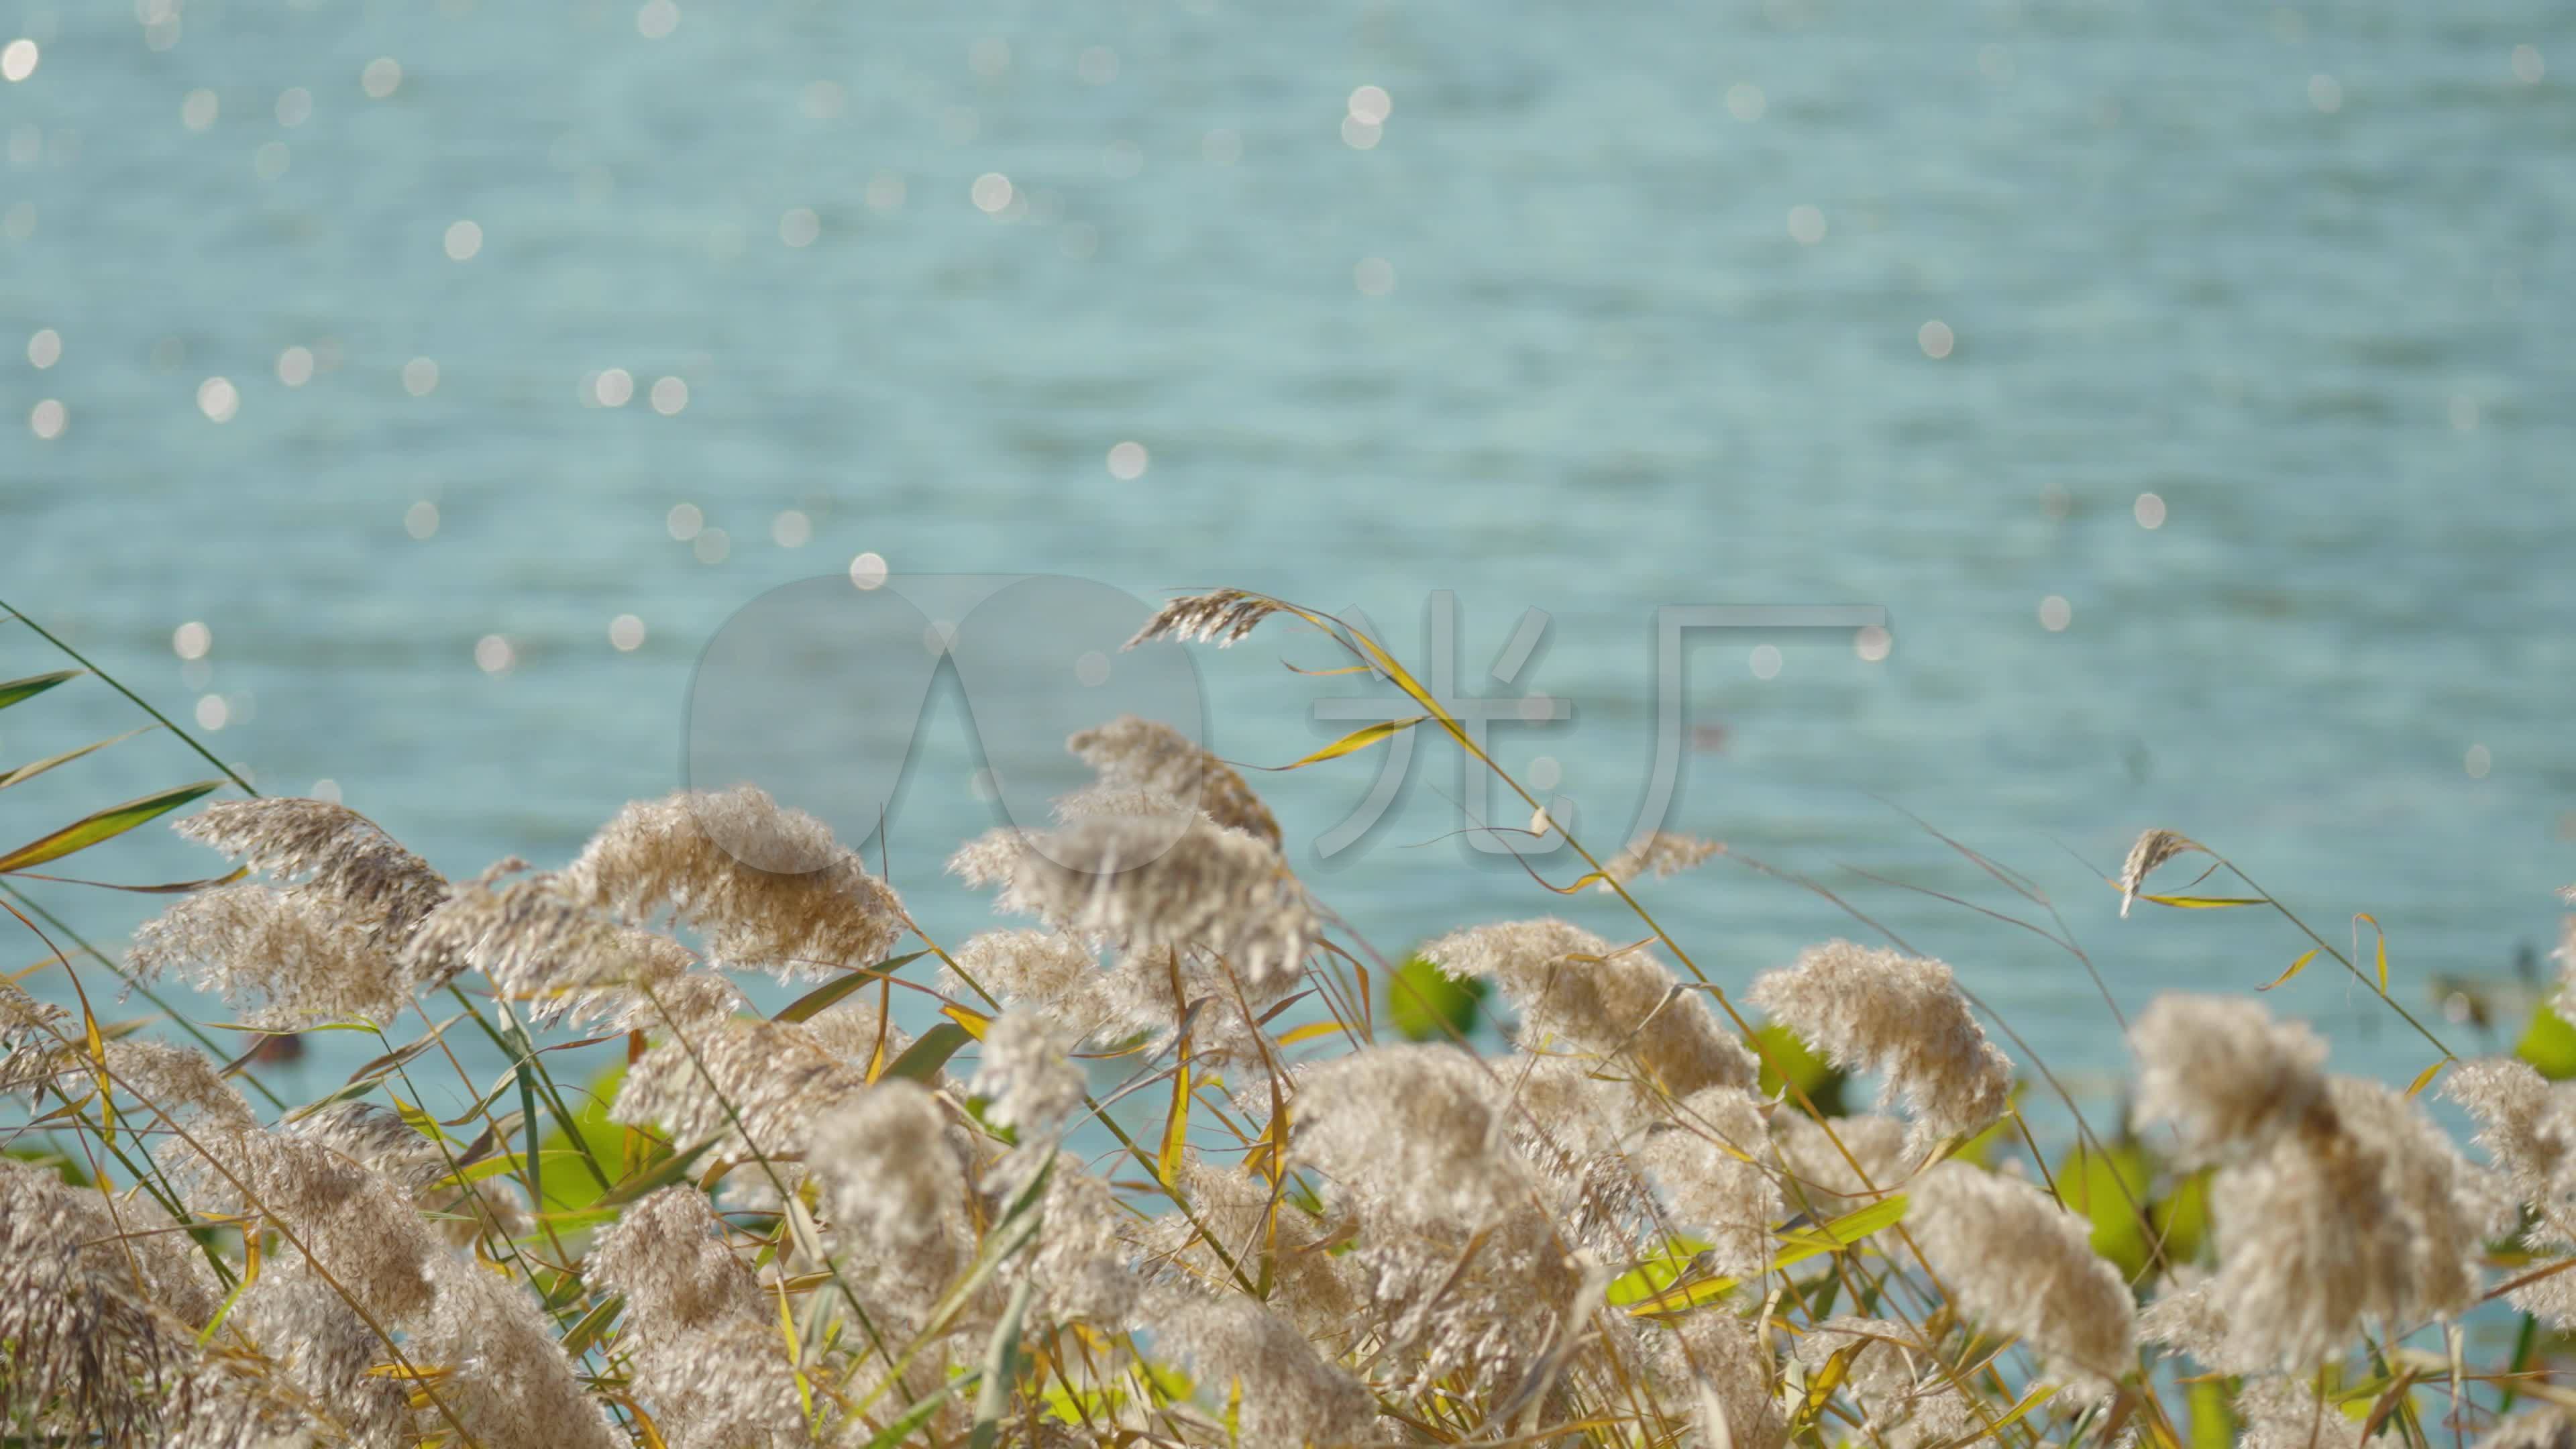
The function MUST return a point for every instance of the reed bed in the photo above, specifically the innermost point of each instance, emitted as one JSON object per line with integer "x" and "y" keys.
{"x": 1157, "y": 1172}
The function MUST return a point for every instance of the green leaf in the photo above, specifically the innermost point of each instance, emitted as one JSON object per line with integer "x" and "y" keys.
{"x": 1001, "y": 1371}
{"x": 1787, "y": 1061}
{"x": 2295, "y": 968}
{"x": 34, "y": 684}
{"x": 1425, "y": 1003}
{"x": 28, "y": 772}
{"x": 2549, "y": 1044}
{"x": 923, "y": 1059}
{"x": 668, "y": 1171}
{"x": 812, "y": 1003}
{"x": 113, "y": 821}
{"x": 594, "y": 1323}
{"x": 1355, "y": 741}
{"x": 2213, "y": 1417}
{"x": 1801, "y": 1244}
{"x": 920, "y": 1413}
{"x": 2110, "y": 1188}
{"x": 2182, "y": 1218}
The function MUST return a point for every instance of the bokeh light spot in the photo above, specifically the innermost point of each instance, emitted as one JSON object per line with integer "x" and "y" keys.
{"x": 218, "y": 399}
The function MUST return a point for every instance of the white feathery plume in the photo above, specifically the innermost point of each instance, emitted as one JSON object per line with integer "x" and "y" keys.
{"x": 1575, "y": 991}
{"x": 2153, "y": 848}
{"x": 1709, "y": 1167}
{"x": 2528, "y": 1125}
{"x": 1906, "y": 1398}
{"x": 2225, "y": 1074}
{"x": 1712, "y": 1360}
{"x": 511, "y": 1386}
{"x": 1817, "y": 1177}
{"x": 1132, "y": 753}
{"x": 1416, "y": 1132}
{"x": 708, "y": 1359}
{"x": 566, "y": 962}
{"x": 1135, "y": 881}
{"x": 768, "y": 886}
{"x": 893, "y": 1177}
{"x": 283, "y": 960}
{"x": 2014, "y": 1258}
{"x": 1663, "y": 852}
{"x": 328, "y": 849}
{"x": 2366, "y": 1214}
{"x": 1290, "y": 1396}
{"x": 759, "y": 1086}
{"x": 1221, "y": 618}
{"x": 1047, "y": 972}
{"x": 1031, "y": 1084}
{"x": 1903, "y": 1017}
{"x": 2279, "y": 1413}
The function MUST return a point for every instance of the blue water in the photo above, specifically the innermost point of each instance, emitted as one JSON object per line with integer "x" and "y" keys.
{"x": 1557, "y": 340}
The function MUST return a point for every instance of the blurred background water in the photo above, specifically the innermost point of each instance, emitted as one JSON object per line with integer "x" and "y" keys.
{"x": 2191, "y": 382}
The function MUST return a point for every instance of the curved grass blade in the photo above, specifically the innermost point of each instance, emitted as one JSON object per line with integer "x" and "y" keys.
{"x": 2295, "y": 968}
{"x": 89, "y": 830}
{"x": 921, "y": 1411}
{"x": 16, "y": 690}
{"x": 2425, "y": 1077}
{"x": 28, "y": 772}
{"x": 1352, "y": 743}
{"x": 2382, "y": 931}
{"x": 166, "y": 888}
{"x": 923, "y": 1059}
{"x": 1001, "y": 1371}
{"x": 813, "y": 1002}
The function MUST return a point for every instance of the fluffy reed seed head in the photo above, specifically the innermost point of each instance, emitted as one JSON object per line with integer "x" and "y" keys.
{"x": 1709, "y": 1166}
{"x": 2225, "y": 1074}
{"x": 1907, "y": 1398}
{"x": 1577, "y": 992}
{"x": 1817, "y": 1177}
{"x": 564, "y": 961}
{"x": 1129, "y": 880}
{"x": 2153, "y": 848}
{"x": 327, "y": 848}
{"x": 1711, "y": 1360}
{"x": 284, "y": 960}
{"x": 511, "y": 1386}
{"x": 1031, "y": 1084}
{"x": 88, "y": 1351}
{"x": 758, "y": 1087}
{"x": 1220, "y": 618}
{"x": 1049, "y": 973}
{"x": 1290, "y": 1395}
{"x": 2279, "y": 1413}
{"x": 1903, "y": 1017}
{"x": 2527, "y": 1124}
{"x": 2015, "y": 1259}
{"x": 1416, "y": 1134}
{"x": 1662, "y": 852}
{"x": 893, "y": 1173}
{"x": 1132, "y": 753}
{"x": 2366, "y": 1214}
{"x": 768, "y": 887}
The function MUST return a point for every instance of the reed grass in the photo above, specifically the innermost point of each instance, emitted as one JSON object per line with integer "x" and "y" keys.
{"x": 1159, "y": 1172}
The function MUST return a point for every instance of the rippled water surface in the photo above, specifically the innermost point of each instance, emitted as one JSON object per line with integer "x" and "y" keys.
{"x": 2232, "y": 342}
